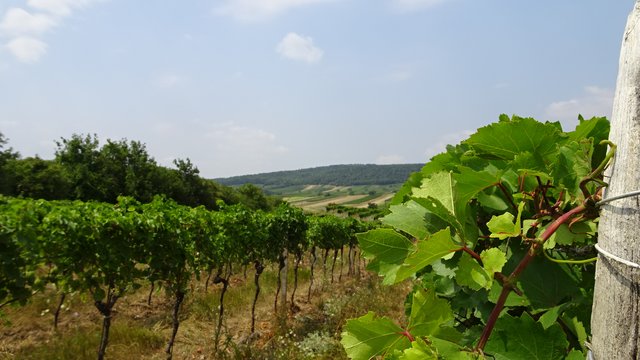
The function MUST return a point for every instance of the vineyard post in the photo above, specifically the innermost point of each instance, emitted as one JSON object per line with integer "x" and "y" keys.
{"x": 616, "y": 304}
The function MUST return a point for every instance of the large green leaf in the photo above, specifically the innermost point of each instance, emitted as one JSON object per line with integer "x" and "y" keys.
{"x": 546, "y": 284}
{"x": 439, "y": 186}
{"x": 409, "y": 217}
{"x": 454, "y": 191}
{"x": 438, "y": 217}
{"x": 428, "y": 313}
{"x": 524, "y": 339}
{"x": 597, "y": 129}
{"x": 368, "y": 336}
{"x": 428, "y": 251}
{"x": 572, "y": 163}
{"x": 506, "y": 139}
{"x": 385, "y": 245}
{"x": 471, "y": 274}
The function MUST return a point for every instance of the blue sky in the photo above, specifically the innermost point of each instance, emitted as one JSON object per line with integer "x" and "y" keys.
{"x": 249, "y": 86}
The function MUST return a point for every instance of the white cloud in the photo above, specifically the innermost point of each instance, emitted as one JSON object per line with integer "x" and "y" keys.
{"x": 26, "y": 28}
{"x": 255, "y": 10}
{"x": 297, "y": 47}
{"x": 413, "y": 5}
{"x": 447, "y": 139}
{"x": 594, "y": 101}
{"x": 17, "y": 21}
{"x": 59, "y": 7}
{"x": 27, "y": 49}
{"x": 389, "y": 159}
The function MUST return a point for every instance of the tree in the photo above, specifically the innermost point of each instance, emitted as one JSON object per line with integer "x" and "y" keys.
{"x": 80, "y": 156}
{"x": 6, "y": 154}
{"x": 35, "y": 178}
{"x": 616, "y": 311}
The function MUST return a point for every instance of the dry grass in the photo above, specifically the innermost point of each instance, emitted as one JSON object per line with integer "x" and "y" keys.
{"x": 140, "y": 331}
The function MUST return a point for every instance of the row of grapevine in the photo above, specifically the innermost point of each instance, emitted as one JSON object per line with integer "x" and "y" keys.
{"x": 108, "y": 250}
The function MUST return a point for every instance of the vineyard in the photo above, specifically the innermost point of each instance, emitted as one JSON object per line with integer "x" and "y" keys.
{"x": 107, "y": 251}
{"x": 493, "y": 241}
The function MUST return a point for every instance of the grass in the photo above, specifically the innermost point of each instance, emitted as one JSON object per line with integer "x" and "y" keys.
{"x": 140, "y": 331}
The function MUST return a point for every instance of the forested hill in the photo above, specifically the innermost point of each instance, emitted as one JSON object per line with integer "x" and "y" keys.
{"x": 338, "y": 175}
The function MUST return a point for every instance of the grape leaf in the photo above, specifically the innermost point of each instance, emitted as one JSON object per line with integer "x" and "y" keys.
{"x": 576, "y": 355}
{"x": 427, "y": 251}
{"x": 565, "y": 236}
{"x": 368, "y": 336}
{"x": 471, "y": 274}
{"x": 505, "y": 140}
{"x": 550, "y": 316}
{"x": 504, "y": 226}
{"x": 577, "y": 328}
{"x": 428, "y": 312}
{"x": 596, "y": 128}
{"x": 493, "y": 260}
{"x": 437, "y": 215}
{"x": 546, "y": 284}
{"x": 387, "y": 250}
{"x": 440, "y": 187}
{"x": 408, "y": 217}
{"x": 419, "y": 350}
{"x": 385, "y": 245}
{"x": 524, "y": 339}
{"x": 453, "y": 192}
{"x": 450, "y": 351}
{"x": 572, "y": 163}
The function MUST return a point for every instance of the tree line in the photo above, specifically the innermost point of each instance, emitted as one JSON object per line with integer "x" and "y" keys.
{"x": 83, "y": 169}
{"x": 338, "y": 175}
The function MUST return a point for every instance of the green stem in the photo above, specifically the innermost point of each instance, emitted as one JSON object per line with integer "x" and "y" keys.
{"x": 575, "y": 262}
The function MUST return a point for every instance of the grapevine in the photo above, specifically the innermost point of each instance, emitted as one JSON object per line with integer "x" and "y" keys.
{"x": 471, "y": 229}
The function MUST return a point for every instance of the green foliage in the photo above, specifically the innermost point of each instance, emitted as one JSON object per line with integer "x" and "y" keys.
{"x": 339, "y": 175}
{"x": 471, "y": 228}
{"x": 84, "y": 170}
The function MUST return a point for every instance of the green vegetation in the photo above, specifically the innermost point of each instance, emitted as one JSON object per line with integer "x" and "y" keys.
{"x": 85, "y": 170}
{"x": 495, "y": 232}
{"x": 107, "y": 251}
{"x": 337, "y": 175}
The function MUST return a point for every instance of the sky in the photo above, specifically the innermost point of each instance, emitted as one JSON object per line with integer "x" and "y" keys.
{"x": 251, "y": 86}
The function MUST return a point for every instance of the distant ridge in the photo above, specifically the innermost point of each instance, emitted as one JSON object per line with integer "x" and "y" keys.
{"x": 338, "y": 175}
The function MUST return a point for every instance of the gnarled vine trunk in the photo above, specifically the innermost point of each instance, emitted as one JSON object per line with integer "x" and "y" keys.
{"x": 282, "y": 262}
{"x": 56, "y": 315}
{"x": 313, "y": 262}
{"x": 615, "y": 320}
{"x": 259, "y": 269}
{"x": 225, "y": 284}
{"x": 105, "y": 308}
{"x": 295, "y": 279}
{"x": 176, "y": 323}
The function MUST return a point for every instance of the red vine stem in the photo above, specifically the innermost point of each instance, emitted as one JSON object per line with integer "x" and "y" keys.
{"x": 506, "y": 194}
{"x": 472, "y": 253}
{"x": 510, "y": 281}
{"x": 408, "y": 335}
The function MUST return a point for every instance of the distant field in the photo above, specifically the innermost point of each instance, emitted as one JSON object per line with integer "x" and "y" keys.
{"x": 315, "y": 198}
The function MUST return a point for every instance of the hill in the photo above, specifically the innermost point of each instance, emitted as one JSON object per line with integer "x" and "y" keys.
{"x": 316, "y": 189}
{"x": 336, "y": 175}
